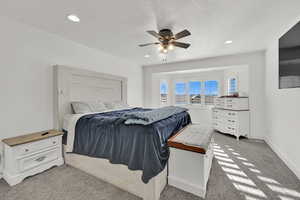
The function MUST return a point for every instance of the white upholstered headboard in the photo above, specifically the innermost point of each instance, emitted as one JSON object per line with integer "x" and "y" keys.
{"x": 73, "y": 84}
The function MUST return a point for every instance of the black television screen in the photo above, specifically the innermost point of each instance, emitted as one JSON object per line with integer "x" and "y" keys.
{"x": 289, "y": 58}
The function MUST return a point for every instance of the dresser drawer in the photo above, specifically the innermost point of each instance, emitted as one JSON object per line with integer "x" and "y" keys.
{"x": 218, "y": 113}
{"x": 231, "y": 106}
{"x": 231, "y": 114}
{"x": 26, "y": 149}
{"x": 30, "y": 162}
{"x": 237, "y": 103}
{"x": 231, "y": 122}
{"x": 219, "y": 102}
{"x": 216, "y": 125}
{"x": 219, "y": 126}
{"x": 230, "y": 129}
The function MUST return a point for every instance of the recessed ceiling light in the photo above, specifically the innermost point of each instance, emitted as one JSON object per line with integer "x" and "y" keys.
{"x": 147, "y": 56}
{"x": 228, "y": 42}
{"x": 74, "y": 18}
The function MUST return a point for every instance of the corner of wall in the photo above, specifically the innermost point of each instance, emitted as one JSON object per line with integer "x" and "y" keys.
{"x": 1, "y": 160}
{"x": 290, "y": 164}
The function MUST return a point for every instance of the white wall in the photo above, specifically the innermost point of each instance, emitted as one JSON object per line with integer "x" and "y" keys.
{"x": 283, "y": 112}
{"x": 256, "y": 66}
{"x": 27, "y": 57}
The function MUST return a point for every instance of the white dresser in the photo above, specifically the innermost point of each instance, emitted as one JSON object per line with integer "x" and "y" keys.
{"x": 231, "y": 115}
{"x": 31, "y": 154}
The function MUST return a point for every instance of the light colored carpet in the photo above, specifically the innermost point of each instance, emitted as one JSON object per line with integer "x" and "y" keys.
{"x": 241, "y": 170}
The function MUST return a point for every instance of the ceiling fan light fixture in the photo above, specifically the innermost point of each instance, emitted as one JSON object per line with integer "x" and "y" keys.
{"x": 228, "y": 42}
{"x": 160, "y": 47}
{"x": 170, "y": 47}
{"x": 73, "y": 18}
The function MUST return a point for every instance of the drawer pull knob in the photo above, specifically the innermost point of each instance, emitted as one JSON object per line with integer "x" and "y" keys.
{"x": 40, "y": 159}
{"x": 54, "y": 142}
{"x": 26, "y": 150}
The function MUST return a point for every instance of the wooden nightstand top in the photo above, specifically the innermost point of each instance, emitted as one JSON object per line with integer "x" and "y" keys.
{"x": 31, "y": 137}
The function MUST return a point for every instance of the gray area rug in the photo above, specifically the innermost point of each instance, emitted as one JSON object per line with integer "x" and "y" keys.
{"x": 244, "y": 169}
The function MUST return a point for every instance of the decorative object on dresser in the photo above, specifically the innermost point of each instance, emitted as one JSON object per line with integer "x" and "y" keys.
{"x": 231, "y": 115}
{"x": 190, "y": 160}
{"x": 30, "y": 154}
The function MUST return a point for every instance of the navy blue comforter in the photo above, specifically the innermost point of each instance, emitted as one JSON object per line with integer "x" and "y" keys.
{"x": 140, "y": 147}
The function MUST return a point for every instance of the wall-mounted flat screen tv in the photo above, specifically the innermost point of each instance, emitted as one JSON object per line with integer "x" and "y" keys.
{"x": 289, "y": 58}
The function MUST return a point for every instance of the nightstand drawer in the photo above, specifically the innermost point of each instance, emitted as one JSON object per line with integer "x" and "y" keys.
{"x": 30, "y": 162}
{"x": 29, "y": 148}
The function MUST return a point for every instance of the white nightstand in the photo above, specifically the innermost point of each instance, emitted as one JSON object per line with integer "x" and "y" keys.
{"x": 31, "y": 154}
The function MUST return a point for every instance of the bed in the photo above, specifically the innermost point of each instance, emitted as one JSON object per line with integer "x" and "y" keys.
{"x": 73, "y": 84}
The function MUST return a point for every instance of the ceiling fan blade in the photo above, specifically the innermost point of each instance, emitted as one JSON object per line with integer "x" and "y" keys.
{"x": 182, "y": 34}
{"x": 147, "y": 44}
{"x": 181, "y": 45}
{"x": 154, "y": 33}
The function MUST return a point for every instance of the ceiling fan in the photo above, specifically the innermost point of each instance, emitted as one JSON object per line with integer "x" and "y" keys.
{"x": 167, "y": 40}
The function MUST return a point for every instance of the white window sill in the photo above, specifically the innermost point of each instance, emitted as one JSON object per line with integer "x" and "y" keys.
{"x": 200, "y": 106}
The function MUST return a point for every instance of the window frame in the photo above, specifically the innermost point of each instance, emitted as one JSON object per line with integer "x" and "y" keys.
{"x": 187, "y": 87}
{"x": 210, "y": 96}
{"x": 229, "y": 85}
{"x": 188, "y": 91}
{"x": 185, "y": 92}
{"x": 167, "y": 92}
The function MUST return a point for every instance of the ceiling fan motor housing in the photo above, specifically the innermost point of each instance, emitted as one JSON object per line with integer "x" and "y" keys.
{"x": 166, "y": 36}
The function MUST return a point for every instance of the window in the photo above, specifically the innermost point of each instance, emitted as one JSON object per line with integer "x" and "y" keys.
{"x": 163, "y": 92}
{"x": 195, "y": 92}
{"x": 211, "y": 90}
{"x": 232, "y": 86}
{"x": 180, "y": 93}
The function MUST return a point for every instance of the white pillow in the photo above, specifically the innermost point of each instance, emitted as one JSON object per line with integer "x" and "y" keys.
{"x": 81, "y": 107}
{"x": 120, "y": 104}
{"x": 109, "y": 105}
{"x": 115, "y": 105}
{"x": 97, "y": 106}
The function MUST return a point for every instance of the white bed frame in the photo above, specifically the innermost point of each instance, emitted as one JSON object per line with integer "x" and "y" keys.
{"x": 72, "y": 84}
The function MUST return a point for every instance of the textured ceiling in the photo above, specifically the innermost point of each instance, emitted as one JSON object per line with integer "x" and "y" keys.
{"x": 117, "y": 27}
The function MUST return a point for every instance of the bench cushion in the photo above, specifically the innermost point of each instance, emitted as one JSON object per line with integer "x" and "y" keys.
{"x": 195, "y": 135}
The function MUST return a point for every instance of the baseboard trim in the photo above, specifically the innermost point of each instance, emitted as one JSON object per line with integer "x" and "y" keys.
{"x": 188, "y": 187}
{"x": 287, "y": 161}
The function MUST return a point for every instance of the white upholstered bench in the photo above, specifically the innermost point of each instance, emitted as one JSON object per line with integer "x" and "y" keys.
{"x": 190, "y": 159}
